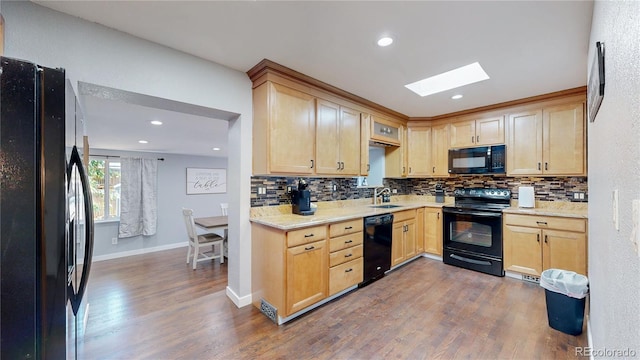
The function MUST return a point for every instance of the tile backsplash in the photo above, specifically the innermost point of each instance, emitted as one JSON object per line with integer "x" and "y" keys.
{"x": 322, "y": 189}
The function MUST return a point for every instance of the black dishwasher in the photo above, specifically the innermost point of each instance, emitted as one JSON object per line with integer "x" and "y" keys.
{"x": 377, "y": 247}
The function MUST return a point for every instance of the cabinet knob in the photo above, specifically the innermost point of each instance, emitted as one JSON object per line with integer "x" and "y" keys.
{"x": 348, "y": 241}
{"x": 472, "y": 139}
{"x": 546, "y": 166}
{"x": 541, "y": 223}
{"x": 348, "y": 270}
{"x": 539, "y": 168}
{"x": 338, "y": 168}
{"x": 538, "y": 237}
{"x": 348, "y": 255}
{"x": 477, "y": 138}
{"x": 310, "y": 247}
{"x": 348, "y": 228}
{"x": 545, "y": 239}
{"x": 312, "y": 163}
{"x": 308, "y": 235}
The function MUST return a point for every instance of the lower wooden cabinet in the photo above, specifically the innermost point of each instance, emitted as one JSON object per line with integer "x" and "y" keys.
{"x": 403, "y": 243}
{"x": 306, "y": 275}
{"x": 533, "y": 244}
{"x": 345, "y": 259}
{"x": 433, "y": 231}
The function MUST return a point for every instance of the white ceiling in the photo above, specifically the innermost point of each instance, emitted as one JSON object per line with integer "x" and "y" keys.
{"x": 528, "y": 48}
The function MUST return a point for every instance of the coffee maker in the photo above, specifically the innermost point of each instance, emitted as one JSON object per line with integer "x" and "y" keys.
{"x": 301, "y": 199}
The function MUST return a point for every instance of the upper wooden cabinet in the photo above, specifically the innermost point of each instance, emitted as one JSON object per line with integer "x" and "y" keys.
{"x": 385, "y": 131}
{"x": 337, "y": 139}
{"x": 427, "y": 151}
{"x": 395, "y": 158}
{"x": 477, "y": 132}
{"x": 547, "y": 141}
{"x": 284, "y": 130}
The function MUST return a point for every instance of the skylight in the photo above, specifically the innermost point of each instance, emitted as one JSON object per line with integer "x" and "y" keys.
{"x": 461, "y": 76}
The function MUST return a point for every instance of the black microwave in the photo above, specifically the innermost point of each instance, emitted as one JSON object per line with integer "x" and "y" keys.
{"x": 478, "y": 160}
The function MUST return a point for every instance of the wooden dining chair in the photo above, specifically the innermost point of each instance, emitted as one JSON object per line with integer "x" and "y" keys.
{"x": 200, "y": 241}
{"x": 224, "y": 207}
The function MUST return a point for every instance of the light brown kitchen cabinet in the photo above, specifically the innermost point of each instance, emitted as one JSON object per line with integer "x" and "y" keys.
{"x": 432, "y": 235}
{"x": 403, "y": 236}
{"x": 420, "y": 226}
{"x": 419, "y": 151}
{"x": 428, "y": 151}
{"x": 285, "y": 119}
{"x": 385, "y": 131}
{"x": 337, "y": 139}
{"x": 365, "y": 136}
{"x": 547, "y": 141}
{"x": 533, "y": 244}
{"x": 289, "y": 268}
{"x": 395, "y": 157}
{"x": 345, "y": 258}
{"x": 306, "y": 275}
{"x": 477, "y": 132}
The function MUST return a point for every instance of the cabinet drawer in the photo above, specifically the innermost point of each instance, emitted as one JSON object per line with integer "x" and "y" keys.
{"x": 342, "y": 256}
{"x": 345, "y": 227}
{"x": 345, "y": 241}
{"x": 546, "y": 222}
{"x": 345, "y": 275}
{"x": 404, "y": 215}
{"x": 307, "y": 235}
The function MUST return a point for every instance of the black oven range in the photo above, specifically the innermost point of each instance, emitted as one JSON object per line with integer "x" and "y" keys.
{"x": 472, "y": 236}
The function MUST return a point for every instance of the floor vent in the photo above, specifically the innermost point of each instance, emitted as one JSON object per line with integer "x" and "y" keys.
{"x": 533, "y": 279}
{"x": 270, "y": 311}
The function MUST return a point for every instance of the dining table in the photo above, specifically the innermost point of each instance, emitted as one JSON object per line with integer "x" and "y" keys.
{"x": 210, "y": 223}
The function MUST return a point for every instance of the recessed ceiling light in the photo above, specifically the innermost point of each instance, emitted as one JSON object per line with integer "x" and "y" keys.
{"x": 156, "y": 122}
{"x": 216, "y": 149}
{"x": 143, "y": 141}
{"x": 461, "y": 76}
{"x": 456, "y": 97}
{"x": 385, "y": 41}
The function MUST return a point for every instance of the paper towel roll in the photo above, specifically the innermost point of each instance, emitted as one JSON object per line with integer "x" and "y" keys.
{"x": 526, "y": 198}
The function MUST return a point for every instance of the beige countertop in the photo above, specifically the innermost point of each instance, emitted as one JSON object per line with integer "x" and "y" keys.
{"x": 280, "y": 217}
{"x": 551, "y": 208}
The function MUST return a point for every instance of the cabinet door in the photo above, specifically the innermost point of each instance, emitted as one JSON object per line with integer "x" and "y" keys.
{"x": 327, "y": 138}
{"x": 307, "y": 275}
{"x": 564, "y": 140}
{"x": 365, "y": 134}
{"x": 420, "y": 234}
{"x": 410, "y": 239}
{"x": 463, "y": 134}
{"x": 565, "y": 250}
{"x": 524, "y": 147}
{"x": 419, "y": 151}
{"x": 395, "y": 157}
{"x": 346, "y": 275}
{"x": 292, "y": 131}
{"x": 433, "y": 231}
{"x": 522, "y": 250}
{"x": 440, "y": 150}
{"x": 397, "y": 243}
{"x": 490, "y": 131}
{"x": 349, "y": 141}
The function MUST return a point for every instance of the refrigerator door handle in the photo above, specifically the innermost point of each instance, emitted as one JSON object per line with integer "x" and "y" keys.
{"x": 76, "y": 160}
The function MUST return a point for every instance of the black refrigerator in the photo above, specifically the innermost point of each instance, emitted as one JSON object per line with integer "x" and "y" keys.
{"x": 46, "y": 219}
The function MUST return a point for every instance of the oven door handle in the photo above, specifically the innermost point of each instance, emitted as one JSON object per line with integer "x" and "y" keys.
{"x": 472, "y": 213}
{"x": 472, "y": 261}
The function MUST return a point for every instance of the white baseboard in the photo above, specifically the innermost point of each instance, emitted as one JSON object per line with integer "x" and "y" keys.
{"x": 239, "y": 301}
{"x": 139, "y": 251}
{"x": 589, "y": 338}
{"x": 432, "y": 256}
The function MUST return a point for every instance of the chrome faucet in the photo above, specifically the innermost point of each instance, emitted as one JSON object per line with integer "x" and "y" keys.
{"x": 379, "y": 191}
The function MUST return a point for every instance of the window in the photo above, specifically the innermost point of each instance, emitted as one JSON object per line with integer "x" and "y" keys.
{"x": 104, "y": 179}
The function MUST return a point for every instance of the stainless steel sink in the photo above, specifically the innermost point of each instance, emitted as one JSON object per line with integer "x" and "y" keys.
{"x": 388, "y": 206}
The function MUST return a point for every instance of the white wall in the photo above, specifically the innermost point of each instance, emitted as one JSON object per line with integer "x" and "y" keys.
{"x": 98, "y": 55}
{"x": 172, "y": 198}
{"x": 614, "y": 153}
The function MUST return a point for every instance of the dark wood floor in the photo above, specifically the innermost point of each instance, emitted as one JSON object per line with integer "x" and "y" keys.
{"x": 154, "y": 306}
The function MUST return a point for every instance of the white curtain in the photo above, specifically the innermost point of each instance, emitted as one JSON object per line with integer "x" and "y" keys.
{"x": 138, "y": 197}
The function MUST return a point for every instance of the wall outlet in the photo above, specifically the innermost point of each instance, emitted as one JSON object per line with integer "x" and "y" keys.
{"x": 262, "y": 190}
{"x": 114, "y": 241}
{"x": 289, "y": 188}
{"x": 334, "y": 187}
{"x": 394, "y": 191}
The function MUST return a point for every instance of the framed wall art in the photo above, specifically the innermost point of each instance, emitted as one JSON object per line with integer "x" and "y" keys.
{"x": 595, "y": 82}
{"x": 206, "y": 181}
